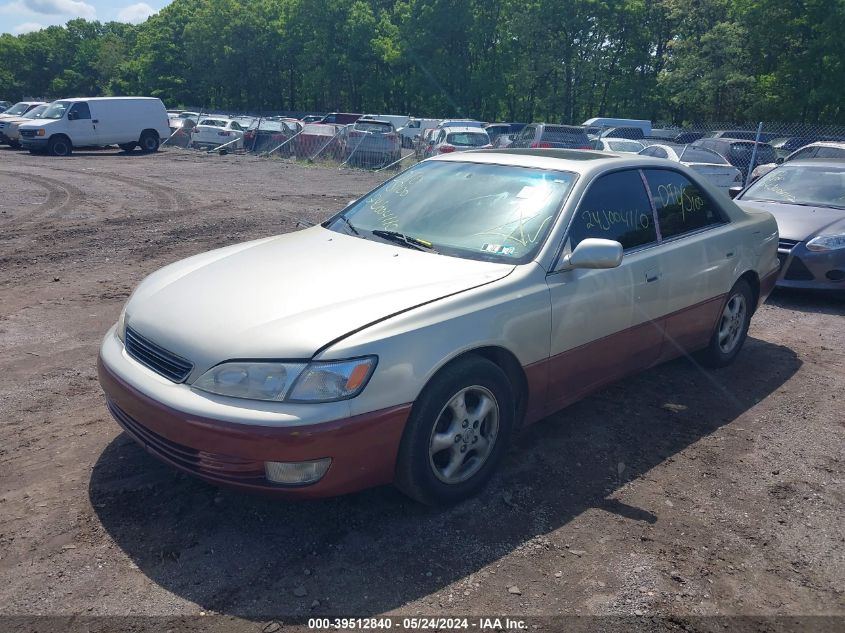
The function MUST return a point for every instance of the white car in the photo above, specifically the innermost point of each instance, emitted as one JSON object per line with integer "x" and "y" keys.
{"x": 706, "y": 162}
{"x": 215, "y": 131}
{"x": 9, "y": 133}
{"x": 617, "y": 145}
{"x": 459, "y": 139}
{"x": 822, "y": 149}
{"x": 19, "y": 109}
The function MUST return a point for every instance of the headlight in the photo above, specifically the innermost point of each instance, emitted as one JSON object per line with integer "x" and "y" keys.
{"x": 826, "y": 243}
{"x": 121, "y": 324}
{"x": 294, "y": 382}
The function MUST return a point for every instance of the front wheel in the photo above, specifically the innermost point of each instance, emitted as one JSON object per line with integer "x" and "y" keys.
{"x": 149, "y": 142}
{"x": 731, "y": 329}
{"x": 457, "y": 432}
{"x": 59, "y": 146}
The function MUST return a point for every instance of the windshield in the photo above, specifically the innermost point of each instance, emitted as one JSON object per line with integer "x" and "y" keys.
{"x": 815, "y": 185}
{"x": 471, "y": 210}
{"x": 373, "y": 126}
{"x": 468, "y": 139}
{"x": 701, "y": 155}
{"x": 56, "y": 110}
{"x": 18, "y": 108}
{"x": 36, "y": 112}
{"x": 625, "y": 146}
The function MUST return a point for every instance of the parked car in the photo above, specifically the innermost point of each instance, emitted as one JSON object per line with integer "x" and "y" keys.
{"x": 738, "y": 152}
{"x": 397, "y": 120}
{"x": 460, "y": 123}
{"x": 340, "y": 118}
{"x": 268, "y": 134}
{"x": 9, "y": 133}
{"x": 19, "y": 109}
{"x": 618, "y": 145}
{"x": 213, "y": 132}
{"x": 317, "y": 139}
{"x": 504, "y": 140}
{"x": 807, "y": 198}
{"x": 415, "y": 127}
{"x": 685, "y": 138}
{"x": 97, "y": 121}
{"x": 706, "y": 162}
{"x": 5, "y": 105}
{"x": 370, "y": 143}
{"x": 602, "y": 124}
{"x": 813, "y": 150}
{"x": 545, "y": 136}
{"x": 746, "y": 135}
{"x": 459, "y": 139}
{"x": 424, "y": 145}
{"x": 495, "y": 130}
{"x": 407, "y": 338}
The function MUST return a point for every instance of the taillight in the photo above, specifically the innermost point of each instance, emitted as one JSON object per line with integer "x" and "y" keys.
{"x": 445, "y": 149}
{"x": 541, "y": 145}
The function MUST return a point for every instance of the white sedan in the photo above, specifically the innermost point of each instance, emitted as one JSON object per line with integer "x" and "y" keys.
{"x": 216, "y": 131}
{"x": 708, "y": 163}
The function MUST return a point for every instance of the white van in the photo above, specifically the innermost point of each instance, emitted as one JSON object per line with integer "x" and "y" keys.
{"x": 97, "y": 121}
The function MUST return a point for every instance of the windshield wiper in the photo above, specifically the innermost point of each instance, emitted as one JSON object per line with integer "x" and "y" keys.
{"x": 349, "y": 224}
{"x": 406, "y": 240}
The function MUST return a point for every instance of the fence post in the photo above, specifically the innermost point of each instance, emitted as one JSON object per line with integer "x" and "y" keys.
{"x": 754, "y": 153}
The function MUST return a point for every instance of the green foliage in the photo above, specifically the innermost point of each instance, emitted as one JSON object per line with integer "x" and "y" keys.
{"x": 553, "y": 60}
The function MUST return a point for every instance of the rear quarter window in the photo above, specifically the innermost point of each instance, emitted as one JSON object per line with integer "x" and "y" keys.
{"x": 682, "y": 207}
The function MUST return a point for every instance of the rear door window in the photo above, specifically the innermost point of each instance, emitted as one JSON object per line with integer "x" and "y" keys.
{"x": 681, "y": 206}
{"x": 615, "y": 207}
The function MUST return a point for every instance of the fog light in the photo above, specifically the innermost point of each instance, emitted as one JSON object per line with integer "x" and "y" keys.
{"x": 297, "y": 473}
{"x": 835, "y": 275}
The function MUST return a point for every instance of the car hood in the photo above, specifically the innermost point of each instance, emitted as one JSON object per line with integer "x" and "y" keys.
{"x": 797, "y": 222}
{"x": 285, "y": 297}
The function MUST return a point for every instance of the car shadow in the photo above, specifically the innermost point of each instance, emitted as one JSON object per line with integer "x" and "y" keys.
{"x": 371, "y": 552}
{"x": 818, "y": 301}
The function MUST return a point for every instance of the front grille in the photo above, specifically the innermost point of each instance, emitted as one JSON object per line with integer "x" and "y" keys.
{"x": 28, "y": 133}
{"x": 797, "y": 271}
{"x": 155, "y": 357}
{"x": 216, "y": 465}
{"x": 786, "y": 245}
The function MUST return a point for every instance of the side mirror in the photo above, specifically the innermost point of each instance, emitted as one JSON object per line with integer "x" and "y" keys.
{"x": 593, "y": 252}
{"x": 71, "y": 116}
{"x": 733, "y": 192}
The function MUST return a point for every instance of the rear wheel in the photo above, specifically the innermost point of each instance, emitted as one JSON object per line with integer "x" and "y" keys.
{"x": 149, "y": 142}
{"x": 459, "y": 428}
{"x": 732, "y": 328}
{"x": 59, "y": 146}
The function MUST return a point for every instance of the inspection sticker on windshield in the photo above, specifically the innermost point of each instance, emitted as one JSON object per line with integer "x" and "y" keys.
{"x": 491, "y": 248}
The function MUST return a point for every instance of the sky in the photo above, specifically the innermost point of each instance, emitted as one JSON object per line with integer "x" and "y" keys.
{"x": 23, "y": 16}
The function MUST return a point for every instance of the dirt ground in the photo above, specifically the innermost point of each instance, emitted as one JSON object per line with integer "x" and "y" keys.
{"x": 731, "y": 504}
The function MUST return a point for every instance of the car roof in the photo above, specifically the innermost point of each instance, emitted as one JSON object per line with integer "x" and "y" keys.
{"x": 619, "y": 138}
{"x": 836, "y": 144}
{"x": 75, "y": 99}
{"x": 578, "y": 161}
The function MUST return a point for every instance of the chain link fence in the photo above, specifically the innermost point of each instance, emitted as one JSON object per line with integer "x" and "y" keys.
{"x": 752, "y": 148}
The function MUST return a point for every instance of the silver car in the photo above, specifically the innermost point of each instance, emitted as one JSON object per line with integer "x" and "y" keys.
{"x": 807, "y": 198}
{"x": 406, "y": 339}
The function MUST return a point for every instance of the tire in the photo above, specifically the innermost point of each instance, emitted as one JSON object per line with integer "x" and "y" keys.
{"x": 127, "y": 147}
{"x": 731, "y": 329}
{"x": 149, "y": 142}
{"x": 59, "y": 146}
{"x": 443, "y": 459}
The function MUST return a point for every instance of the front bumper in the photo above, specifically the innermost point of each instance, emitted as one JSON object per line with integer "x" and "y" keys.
{"x": 811, "y": 270}
{"x": 33, "y": 143}
{"x": 363, "y": 448}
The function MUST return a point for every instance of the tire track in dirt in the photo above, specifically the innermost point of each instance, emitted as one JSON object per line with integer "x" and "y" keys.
{"x": 60, "y": 196}
{"x": 167, "y": 198}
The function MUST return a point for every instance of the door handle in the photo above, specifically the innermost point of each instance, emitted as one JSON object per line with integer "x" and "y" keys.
{"x": 652, "y": 275}
{"x": 729, "y": 254}
{"x": 95, "y": 120}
